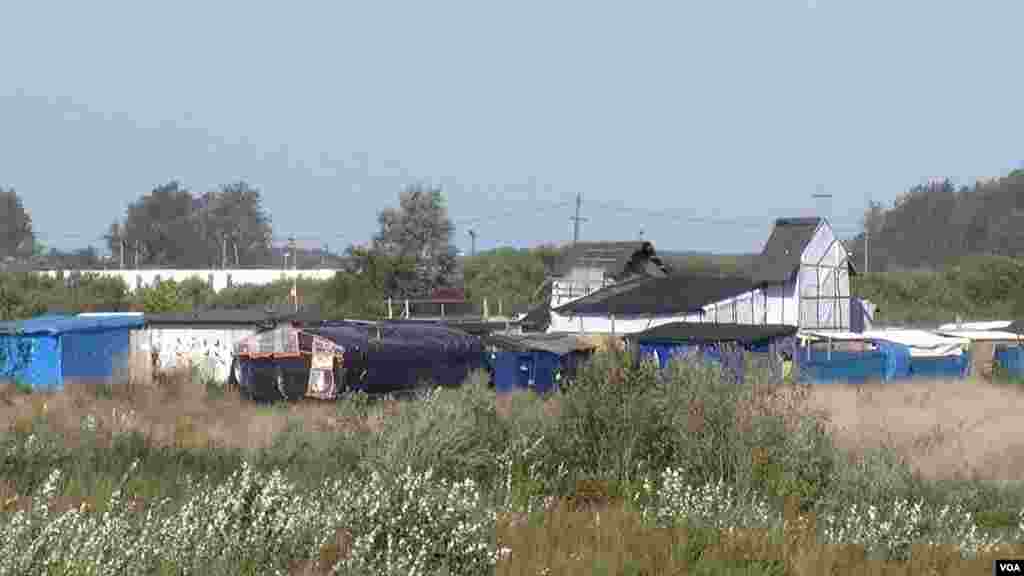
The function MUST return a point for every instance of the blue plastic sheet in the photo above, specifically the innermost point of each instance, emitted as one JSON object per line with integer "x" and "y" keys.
{"x": 1011, "y": 359}
{"x": 943, "y": 367}
{"x": 31, "y": 359}
{"x": 889, "y": 362}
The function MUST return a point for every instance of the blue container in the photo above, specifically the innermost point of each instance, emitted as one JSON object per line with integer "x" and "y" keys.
{"x": 48, "y": 351}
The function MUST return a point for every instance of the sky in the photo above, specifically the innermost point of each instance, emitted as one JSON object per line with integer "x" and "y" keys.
{"x": 693, "y": 124}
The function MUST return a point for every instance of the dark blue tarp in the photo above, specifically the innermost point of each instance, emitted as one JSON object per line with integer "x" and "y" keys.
{"x": 533, "y": 370}
{"x": 1011, "y": 359}
{"x": 405, "y": 355}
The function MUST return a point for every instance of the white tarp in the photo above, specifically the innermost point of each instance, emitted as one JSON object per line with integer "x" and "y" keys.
{"x": 981, "y": 335}
{"x": 982, "y": 326}
{"x": 922, "y": 344}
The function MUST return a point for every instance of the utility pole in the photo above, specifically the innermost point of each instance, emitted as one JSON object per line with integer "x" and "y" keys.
{"x": 576, "y": 219}
{"x": 121, "y": 243}
{"x": 295, "y": 267}
{"x": 224, "y": 252}
{"x": 867, "y": 233}
{"x": 472, "y": 236}
{"x": 136, "y": 254}
{"x": 235, "y": 243}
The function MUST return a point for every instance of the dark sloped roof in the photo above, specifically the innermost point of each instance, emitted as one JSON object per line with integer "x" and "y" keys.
{"x": 780, "y": 258}
{"x": 710, "y": 332}
{"x": 560, "y": 344}
{"x": 615, "y": 258}
{"x": 647, "y": 296}
{"x": 1017, "y": 327}
{"x": 218, "y": 316}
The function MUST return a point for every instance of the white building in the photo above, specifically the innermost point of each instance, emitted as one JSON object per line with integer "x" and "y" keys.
{"x": 216, "y": 279}
{"x": 801, "y": 278}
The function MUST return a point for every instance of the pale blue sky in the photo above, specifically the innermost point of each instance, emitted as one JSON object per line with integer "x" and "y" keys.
{"x": 723, "y": 110}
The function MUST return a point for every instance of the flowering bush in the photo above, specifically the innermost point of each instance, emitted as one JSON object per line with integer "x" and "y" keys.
{"x": 891, "y": 530}
{"x": 411, "y": 524}
{"x": 714, "y": 505}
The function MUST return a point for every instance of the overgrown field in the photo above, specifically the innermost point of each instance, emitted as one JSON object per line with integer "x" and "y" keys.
{"x": 628, "y": 472}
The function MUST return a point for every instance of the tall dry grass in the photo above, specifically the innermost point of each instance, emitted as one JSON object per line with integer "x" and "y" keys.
{"x": 944, "y": 429}
{"x": 577, "y": 479}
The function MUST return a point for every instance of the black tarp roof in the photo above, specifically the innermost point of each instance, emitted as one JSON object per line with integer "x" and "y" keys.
{"x": 711, "y": 332}
{"x": 560, "y": 344}
{"x": 780, "y": 257}
{"x": 214, "y": 316}
{"x": 618, "y": 259}
{"x": 644, "y": 296}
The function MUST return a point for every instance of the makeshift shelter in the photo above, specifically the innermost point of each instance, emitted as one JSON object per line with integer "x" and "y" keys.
{"x": 49, "y": 352}
{"x": 720, "y": 343}
{"x": 540, "y": 362}
{"x": 586, "y": 267}
{"x": 322, "y": 361}
{"x": 204, "y": 339}
{"x": 801, "y": 278}
{"x": 644, "y": 302}
{"x": 992, "y": 343}
{"x": 884, "y": 355}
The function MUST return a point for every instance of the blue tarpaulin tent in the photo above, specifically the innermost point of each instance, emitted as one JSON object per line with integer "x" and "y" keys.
{"x": 534, "y": 362}
{"x": 940, "y": 367}
{"x": 378, "y": 358}
{"x": 1011, "y": 359}
{"x": 898, "y": 354}
{"x": 888, "y": 362}
{"x": 48, "y": 351}
{"x": 719, "y": 343}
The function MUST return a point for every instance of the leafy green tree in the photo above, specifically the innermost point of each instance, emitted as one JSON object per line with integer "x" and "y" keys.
{"x": 162, "y": 297}
{"x": 17, "y": 238}
{"x": 513, "y": 277}
{"x": 419, "y": 232}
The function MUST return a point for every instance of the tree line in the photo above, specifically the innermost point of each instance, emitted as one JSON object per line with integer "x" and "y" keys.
{"x": 934, "y": 225}
{"x": 411, "y": 256}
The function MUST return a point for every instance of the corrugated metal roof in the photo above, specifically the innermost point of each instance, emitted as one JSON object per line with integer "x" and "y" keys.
{"x": 60, "y": 324}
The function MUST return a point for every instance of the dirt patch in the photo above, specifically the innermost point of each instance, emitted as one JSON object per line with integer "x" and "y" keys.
{"x": 946, "y": 429}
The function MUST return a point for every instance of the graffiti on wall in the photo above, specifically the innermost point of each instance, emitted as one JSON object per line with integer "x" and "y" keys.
{"x": 208, "y": 350}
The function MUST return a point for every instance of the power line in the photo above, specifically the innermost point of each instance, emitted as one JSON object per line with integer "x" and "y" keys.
{"x": 506, "y": 214}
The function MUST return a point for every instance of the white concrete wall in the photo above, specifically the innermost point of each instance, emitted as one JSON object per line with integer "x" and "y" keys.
{"x": 209, "y": 348}
{"x": 135, "y": 278}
